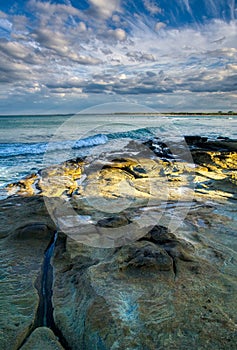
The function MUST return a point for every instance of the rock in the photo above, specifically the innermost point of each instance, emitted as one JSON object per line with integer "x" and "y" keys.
{"x": 172, "y": 287}
{"x": 142, "y": 305}
{"x": 220, "y": 144}
{"x": 195, "y": 140}
{"x": 42, "y": 338}
{"x": 143, "y": 255}
{"x": 22, "y": 254}
{"x": 110, "y": 184}
{"x": 159, "y": 148}
{"x": 114, "y": 221}
{"x": 37, "y": 230}
{"x": 52, "y": 182}
{"x": 18, "y": 212}
{"x": 176, "y": 248}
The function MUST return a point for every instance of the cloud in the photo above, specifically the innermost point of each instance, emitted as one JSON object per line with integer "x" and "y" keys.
{"x": 49, "y": 39}
{"x": 11, "y": 72}
{"x": 52, "y": 9}
{"x": 104, "y": 8}
{"x": 138, "y": 56}
{"x": 59, "y": 51}
{"x": 159, "y": 25}
{"x": 85, "y": 60}
{"x": 63, "y": 46}
{"x": 118, "y": 34}
{"x": 152, "y": 7}
{"x": 13, "y": 49}
{"x": 5, "y": 24}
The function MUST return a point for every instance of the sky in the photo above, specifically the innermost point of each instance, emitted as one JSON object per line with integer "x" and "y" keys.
{"x": 62, "y": 56}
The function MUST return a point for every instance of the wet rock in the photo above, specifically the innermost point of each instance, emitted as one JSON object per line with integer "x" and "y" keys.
{"x": 160, "y": 234}
{"x": 19, "y": 212}
{"x": 220, "y": 144}
{"x": 167, "y": 289}
{"x": 35, "y": 230}
{"x": 114, "y": 221}
{"x": 42, "y": 338}
{"x": 159, "y": 148}
{"x": 176, "y": 248}
{"x": 146, "y": 255}
{"x": 52, "y": 181}
{"x": 195, "y": 140}
{"x": 134, "y": 291}
{"x": 22, "y": 254}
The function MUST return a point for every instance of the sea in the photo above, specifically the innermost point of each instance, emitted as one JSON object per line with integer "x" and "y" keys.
{"x": 30, "y": 143}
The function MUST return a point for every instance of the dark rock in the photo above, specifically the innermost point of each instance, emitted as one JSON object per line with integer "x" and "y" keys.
{"x": 159, "y": 148}
{"x": 175, "y": 247}
{"x": 160, "y": 235}
{"x": 195, "y": 140}
{"x": 35, "y": 230}
{"x": 219, "y": 144}
{"x": 147, "y": 255}
{"x": 114, "y": 221}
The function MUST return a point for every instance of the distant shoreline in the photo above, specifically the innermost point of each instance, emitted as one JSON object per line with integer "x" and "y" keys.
{"x": 180, "y": 113}
{"x": 224, "y": 114}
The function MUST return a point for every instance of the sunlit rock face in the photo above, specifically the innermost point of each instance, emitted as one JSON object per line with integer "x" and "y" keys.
{"x": 212, "y": 166}
{"x": 147, "y": 261}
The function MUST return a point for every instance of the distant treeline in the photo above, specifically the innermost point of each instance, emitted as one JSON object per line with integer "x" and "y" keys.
{"x": 202, "y": 113}
{"x": 179, "y": 113}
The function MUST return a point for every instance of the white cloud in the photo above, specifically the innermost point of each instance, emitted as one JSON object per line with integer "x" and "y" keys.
{"x": 116, "y": 18}
{"x": 53, "y": 9}
{"x": 232, "y": 67}
{"x": 118, "y": 34}
{"x": 105, "y": 8}
{"x": 159, "y": 25}
{"x": 152, "y": 7}
{"x": 82, "y": 27}
{"x": 51, "y": 40}
{"x": 65, "y": 52}
{"x": 85, "y": 60}
{"x": 13, "y": 72}
{"x": 14, "y": 49}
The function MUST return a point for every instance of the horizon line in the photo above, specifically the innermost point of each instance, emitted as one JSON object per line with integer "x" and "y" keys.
{"x": 118, "y": 113}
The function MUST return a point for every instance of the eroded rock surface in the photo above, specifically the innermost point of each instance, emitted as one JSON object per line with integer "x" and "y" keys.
{"x": 22, "y": 253}
{"x": 173, "y": 286}
{"x": 160, "y": 292}
{"x": 42, "y": 338}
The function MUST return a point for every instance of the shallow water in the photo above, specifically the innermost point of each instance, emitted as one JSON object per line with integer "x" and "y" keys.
{"x": 27, "y": 141}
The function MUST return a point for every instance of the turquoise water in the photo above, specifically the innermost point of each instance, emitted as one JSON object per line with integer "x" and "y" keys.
{"x": 26, "y": 141}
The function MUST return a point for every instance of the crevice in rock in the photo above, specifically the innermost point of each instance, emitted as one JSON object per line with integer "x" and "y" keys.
{"x": 45, "y": 310}
{"x": 31, "y": 330}
{"x": 44, "y": 315}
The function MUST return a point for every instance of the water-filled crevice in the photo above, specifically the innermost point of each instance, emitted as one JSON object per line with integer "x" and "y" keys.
{"x": 44, "y": 285}
{"x": 45, "y": 309}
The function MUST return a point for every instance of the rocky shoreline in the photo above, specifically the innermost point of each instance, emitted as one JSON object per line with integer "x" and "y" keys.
{"x": 148, "y": 260}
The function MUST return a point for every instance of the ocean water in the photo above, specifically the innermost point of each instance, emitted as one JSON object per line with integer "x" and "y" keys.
{"x": 30, "y": 143}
